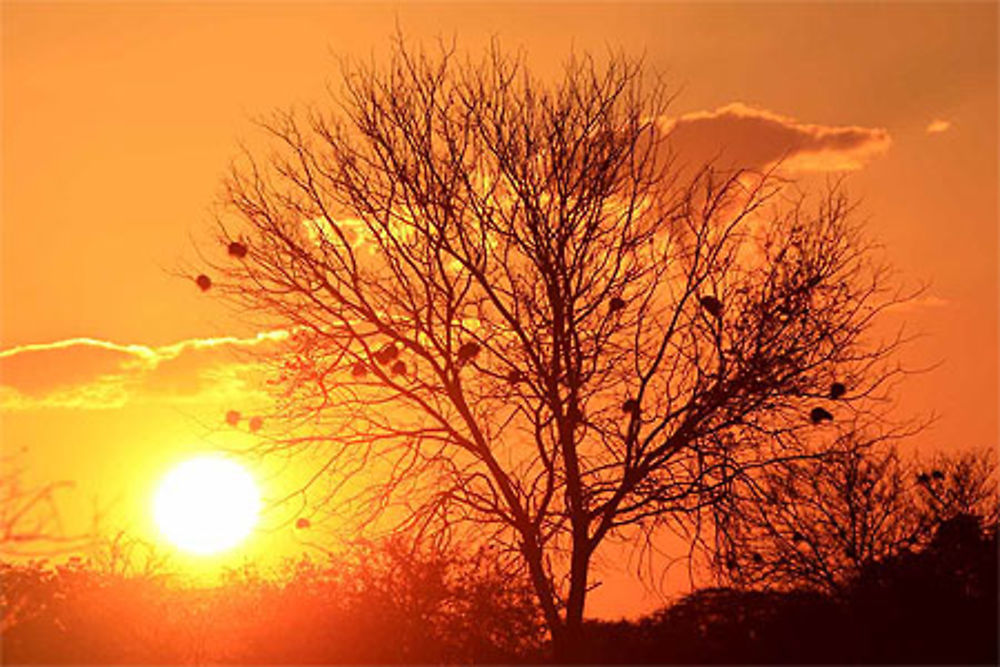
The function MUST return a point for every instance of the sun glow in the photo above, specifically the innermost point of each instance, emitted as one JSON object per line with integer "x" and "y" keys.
{"x": 206, "y": 505}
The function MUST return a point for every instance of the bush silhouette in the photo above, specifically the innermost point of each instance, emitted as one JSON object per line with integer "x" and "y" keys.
{"x": 381, "y": 603}
{"x": 389, "y": 603}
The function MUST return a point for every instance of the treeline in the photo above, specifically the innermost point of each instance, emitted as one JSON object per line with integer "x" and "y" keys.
{"x": 390, "y": 605}
{"x": 384, "y": 603}
{"x": 938, "y": 605}
{"x": 864, "y": 558}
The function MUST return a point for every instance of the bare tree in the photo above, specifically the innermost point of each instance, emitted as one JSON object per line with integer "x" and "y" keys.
{"x": 30, "y": 521}
{"x": 818, "y": 523}
{"x": 510, "y": 310}
{"x": 963, "y": 483}
{"x": 30, "y": 526}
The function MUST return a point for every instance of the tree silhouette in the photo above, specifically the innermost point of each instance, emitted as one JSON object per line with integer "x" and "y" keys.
{"x": 512, "y": 312}
{"x": 949, "y": 486}
{"x": 819, "y": 523}
{"x": 30, "y": 523}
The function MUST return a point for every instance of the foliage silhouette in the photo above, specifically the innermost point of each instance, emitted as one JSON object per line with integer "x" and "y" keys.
{"x": 936, "y": 604}
{"x": 379, "y": 604}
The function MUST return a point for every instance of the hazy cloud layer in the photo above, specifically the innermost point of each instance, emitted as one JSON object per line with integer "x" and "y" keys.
{"x": 744, "y": 136}
{"x": 86, "y": 373}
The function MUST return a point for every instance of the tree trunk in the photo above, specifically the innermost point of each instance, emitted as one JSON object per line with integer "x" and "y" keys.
{"x": 568, "y": 645}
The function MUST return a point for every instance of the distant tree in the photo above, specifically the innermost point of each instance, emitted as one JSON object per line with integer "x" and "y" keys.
{"x": 512, "y": 314}
{"x": 964, "y": 483}
{"x": 30, "y": 523}
{"x": 819, "y": 523}
{"x": 30, "y": 526}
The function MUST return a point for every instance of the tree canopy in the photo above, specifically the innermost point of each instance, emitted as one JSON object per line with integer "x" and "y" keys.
{"x": 513, "y": 310}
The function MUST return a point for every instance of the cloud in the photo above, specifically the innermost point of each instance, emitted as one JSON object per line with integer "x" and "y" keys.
{"x": 37, "y": 370}
{"x": 739, "y": 135}
{"x": 937, "y": 126}
{"x": 86, "y": 373}
{"x": 920, "y": 303}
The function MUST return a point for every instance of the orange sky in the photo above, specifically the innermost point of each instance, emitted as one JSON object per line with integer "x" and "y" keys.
{"x": 119, "y": 121}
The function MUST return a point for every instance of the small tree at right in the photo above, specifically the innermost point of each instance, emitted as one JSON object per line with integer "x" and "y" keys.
{"x": 820, "y": 523}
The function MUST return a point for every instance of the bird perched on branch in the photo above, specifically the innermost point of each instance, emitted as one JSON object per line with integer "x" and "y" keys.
{"x": 237, "y": 250}
{"x": 712, "y": 305}
{"x": 387, "y": 354}
{"x": 820, "y": 415}
{"x": 467, "y": 352}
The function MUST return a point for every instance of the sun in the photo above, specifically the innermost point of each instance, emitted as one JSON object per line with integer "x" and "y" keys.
{"x": 206, "y": 505}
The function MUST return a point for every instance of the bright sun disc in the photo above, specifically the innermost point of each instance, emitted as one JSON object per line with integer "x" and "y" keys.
{"x": 206, "y": 505}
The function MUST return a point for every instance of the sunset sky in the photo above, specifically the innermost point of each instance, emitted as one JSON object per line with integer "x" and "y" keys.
{"x": 119, "y": 122}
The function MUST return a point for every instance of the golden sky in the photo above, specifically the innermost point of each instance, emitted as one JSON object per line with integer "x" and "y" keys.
{"x": 120, "y": 120}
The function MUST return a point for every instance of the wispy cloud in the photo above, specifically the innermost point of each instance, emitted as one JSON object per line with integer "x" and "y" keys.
{"x": 741, "y": 135}
{"x": 87, "y": 373}
{"x": 921, "y": 303}
{"x": 938, "y": 126}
